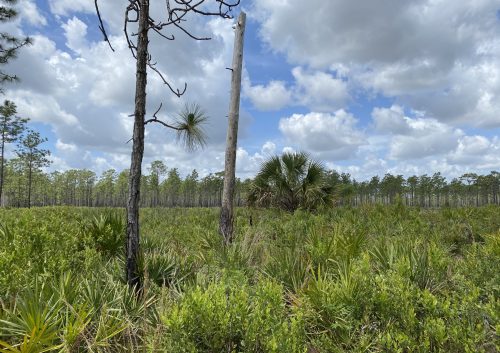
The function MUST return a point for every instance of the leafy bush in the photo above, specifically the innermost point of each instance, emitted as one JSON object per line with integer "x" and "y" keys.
{"x": 233, "y": 318}
{"x": 107, "y": 233}
{"x": 289, "y": 182}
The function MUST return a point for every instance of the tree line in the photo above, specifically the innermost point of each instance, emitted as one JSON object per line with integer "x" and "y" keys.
{"x": 434, "y": 190}
{"x": 82, "y": 187}
{"x": 23, "y": 182}
{"x": 294, "y": 180}
{"x": 164, "y": 187}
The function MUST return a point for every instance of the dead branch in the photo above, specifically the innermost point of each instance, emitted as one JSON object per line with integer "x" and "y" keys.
{"x": 155, "y": 119}
{"x": 101, "y": 25}
{"x": 175, "y": 17}
{"x": 177, "y": 92}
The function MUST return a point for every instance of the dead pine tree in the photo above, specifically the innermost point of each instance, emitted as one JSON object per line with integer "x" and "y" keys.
{"x": 187, "y": 127}
{"x": 226, "y": 222}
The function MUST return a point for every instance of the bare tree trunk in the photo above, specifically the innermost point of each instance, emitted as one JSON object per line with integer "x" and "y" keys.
{"x": 2, "y": 162}
{"x": 132, "y": 245}
{"x": 30, "y": 174}
{"x": 226, "y": 215}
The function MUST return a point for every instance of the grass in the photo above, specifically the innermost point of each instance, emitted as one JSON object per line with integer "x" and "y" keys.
{"x": 374, "y": 279}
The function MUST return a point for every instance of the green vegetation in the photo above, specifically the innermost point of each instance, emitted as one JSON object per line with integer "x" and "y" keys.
{"x": 9, "y": 44}
{"x": 11, "y": 127}
{"x": 289, "y": 182}
{"x": 166, "y": 187}
{"x": 369, "y": 279}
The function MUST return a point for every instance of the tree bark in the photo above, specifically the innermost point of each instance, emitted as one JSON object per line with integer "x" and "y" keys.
{"x": 30, "y": 174}
{"x": 226, "y": 216}
{"x": 2, "y": 163}
{"x": 132, "y": 245}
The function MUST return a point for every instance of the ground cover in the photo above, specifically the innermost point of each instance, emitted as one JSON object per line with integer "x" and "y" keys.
{"x": 367, "y": 279}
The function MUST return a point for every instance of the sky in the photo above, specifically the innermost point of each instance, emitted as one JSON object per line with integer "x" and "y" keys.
{"x": 365, "y": 87}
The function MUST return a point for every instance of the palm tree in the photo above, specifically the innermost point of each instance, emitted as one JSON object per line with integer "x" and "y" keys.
{"x": 290, "y": 182}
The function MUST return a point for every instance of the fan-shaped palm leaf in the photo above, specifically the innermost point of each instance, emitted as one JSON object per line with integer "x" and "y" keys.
{"x": 295, "y": 165}
{"x": 290, "y": 181}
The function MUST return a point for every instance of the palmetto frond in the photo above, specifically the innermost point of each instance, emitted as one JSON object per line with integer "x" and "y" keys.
{"x": 290, "y": 181}
{"x": 295, "y": 165}
{"x": 315, "y": 189}
{"x": 189, "y": 126}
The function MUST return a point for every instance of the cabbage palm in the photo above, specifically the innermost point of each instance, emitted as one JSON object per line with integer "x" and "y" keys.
{"x": 289, "y": 182}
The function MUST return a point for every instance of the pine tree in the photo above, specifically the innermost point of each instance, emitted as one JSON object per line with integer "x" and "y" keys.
{"x": 11, "y": 127}
{"x": 32, "y": 157}
{"x": 9, "y": 44}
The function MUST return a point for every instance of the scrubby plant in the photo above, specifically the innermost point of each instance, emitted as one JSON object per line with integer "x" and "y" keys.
{"x": 161, "y": 268}
{"x": 107, "y": 232}
{"x": 368, "y": 279}
{"x": 290, "y": 181}
{"x": 233, "y": 318}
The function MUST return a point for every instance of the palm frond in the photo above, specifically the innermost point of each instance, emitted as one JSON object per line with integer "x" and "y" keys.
{"x": 290, "y": 181}
{"x": 270, "y": 169}
{"x": 315, "y": 174}
{"x": 295, "y": 165}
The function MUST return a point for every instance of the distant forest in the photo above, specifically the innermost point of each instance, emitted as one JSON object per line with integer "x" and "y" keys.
{"x": 163, "y": 187}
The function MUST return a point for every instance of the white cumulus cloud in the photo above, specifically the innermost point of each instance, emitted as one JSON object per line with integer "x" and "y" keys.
{"x": 333, "y": 135}
{"x": 426, "y": 137}
{"x": 272, "y": 96}
{"x": 319, "y": 90}
{"x": 441, "y": 57}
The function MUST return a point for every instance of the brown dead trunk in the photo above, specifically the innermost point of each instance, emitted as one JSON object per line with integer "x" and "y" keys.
{"x": 132, "y": 246}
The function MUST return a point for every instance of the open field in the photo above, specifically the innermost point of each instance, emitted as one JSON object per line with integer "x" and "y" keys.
{"x": 375, "y": 279}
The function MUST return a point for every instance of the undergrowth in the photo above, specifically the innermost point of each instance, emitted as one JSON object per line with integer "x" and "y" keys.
{"x": 374, "y": 279}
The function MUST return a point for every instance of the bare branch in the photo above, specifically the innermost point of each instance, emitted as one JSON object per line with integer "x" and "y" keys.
{"x": 189, "y": 34}
{"x": 101, "y": 25}
{"x": 175, "y": 17}
{"x": 155, "y": 119}
{"x": 154, "y": 28}
{"x": 177, "y": 92}
{"x": 188, "y": 6}
{"x": 133, "y": 7}
{"x": 157, "y": 111}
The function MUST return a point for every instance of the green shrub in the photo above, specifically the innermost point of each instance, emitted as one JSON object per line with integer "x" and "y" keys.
{"x": 106, "y": 232}
{"x": 368, "y": 279}
{"x": 233, "y": 318}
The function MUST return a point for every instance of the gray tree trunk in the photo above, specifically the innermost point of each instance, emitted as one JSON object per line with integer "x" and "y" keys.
{"x": 2, "y": 163}
{"x": 30, "y": 176}
{"x": 132, "y": 245}
{"x": 226, "y": 215}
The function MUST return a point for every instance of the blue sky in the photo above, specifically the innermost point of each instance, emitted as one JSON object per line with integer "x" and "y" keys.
{"x": 366, "y": 87}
